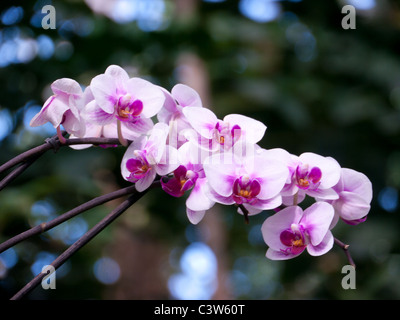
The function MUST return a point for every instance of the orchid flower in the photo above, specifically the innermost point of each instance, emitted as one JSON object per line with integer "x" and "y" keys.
{"x": 208, "y": 160}
{"x": 355, "y": 195}
{"x": 148, "y": 156}
{"x": 186, "y": 175}
{"x": 290, "y": 231}
{"x": 181, "y": 96}
{"x": 63, "y": 108}
{"x": 130, "y": 101}
{"x": 312, "y": 175}
{"x": 190, "y": 176}
{"x": 222, "y": 135}
{"x": 253, "y": 181}
{"x": 95, "y": 130}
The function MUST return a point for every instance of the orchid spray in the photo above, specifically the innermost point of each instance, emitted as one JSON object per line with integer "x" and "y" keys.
{"x": 174, "y": 142}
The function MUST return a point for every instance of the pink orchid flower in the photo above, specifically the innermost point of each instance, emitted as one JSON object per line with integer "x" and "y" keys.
{"x": 63, "y": 108}
{"x": 95, "y": 130}
{"x": 184, "y": 179}
{"x": 253, "y": 181}
{"x": 355, "y": 195}
{"x": 290, "y": 231}
{"x": 181, "y": 96}
{"x": 222, "y": 135}
{"x": 148, "y": 156}
{"x": 186, "y": 174}
{"x": 312, "y": 175}
{"x": 130, "y": 101}
{"x": 190, "y": 176}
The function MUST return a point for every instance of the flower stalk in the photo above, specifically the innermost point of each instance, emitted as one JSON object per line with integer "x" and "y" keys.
{"x": 60, "y": 135}
{"x": 345, "y": 248}
{"x": 87, "y": 237}
{"x": 121, "y": 138}
{"x": 45, "y": 226}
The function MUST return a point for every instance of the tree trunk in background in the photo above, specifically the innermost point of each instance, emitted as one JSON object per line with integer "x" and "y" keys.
{"x": 141, "y": 257}
{"x": 193, "y": 72}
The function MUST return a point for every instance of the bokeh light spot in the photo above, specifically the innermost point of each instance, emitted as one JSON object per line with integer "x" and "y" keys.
{"x": 106, "y": 270}
{"x": 260, "y": 10}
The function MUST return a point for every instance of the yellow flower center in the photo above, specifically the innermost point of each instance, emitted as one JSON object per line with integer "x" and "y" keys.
{"x": 298, "y": 243}
{"x": 124, "y": 113}
{"x": 304, "y": 183}
{"x": 244, "y": 193}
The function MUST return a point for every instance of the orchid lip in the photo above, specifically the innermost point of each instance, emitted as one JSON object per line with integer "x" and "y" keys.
{"x": 306, "y": 178}
{"x": 139, "y": 166}
{"x": 128, "y": 110}
{"x": 294, "y": 239}
{"x": 182, "y": 181}
{"x": 245, "y": 190}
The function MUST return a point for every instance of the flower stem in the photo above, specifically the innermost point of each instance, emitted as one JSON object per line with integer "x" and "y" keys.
{"x": 121, "y": 139}
{"x": 53, "y": 144}
{"x": 65, "y": 216}
{"x": 60, "y": 135}
{"x": 245, "y": 213}
{"x": 89, "y": 235}
{"x": 345, "y": 248}
{"x": 16, "y": 172}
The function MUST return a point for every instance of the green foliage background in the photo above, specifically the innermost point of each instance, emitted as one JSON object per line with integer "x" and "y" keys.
{"x": 341, "y": 98}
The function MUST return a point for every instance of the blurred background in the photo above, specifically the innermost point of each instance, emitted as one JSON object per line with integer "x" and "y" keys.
{"x": 290, "y": 64}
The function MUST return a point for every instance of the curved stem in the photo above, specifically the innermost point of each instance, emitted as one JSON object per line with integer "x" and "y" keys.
{"x": 60, "y": 135}
{"x": 121, "y": 138}
{"x": 245, "y": 213}
{"x": 54, "y": 143}
{"x": 345, "y": 248}
{"x": 89, "y": 235}
{"x": 78, "y": 244}
{"x": 16, "y": 172}
{"x": 37, "y": 151}
{"x": 43, "y": 227}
